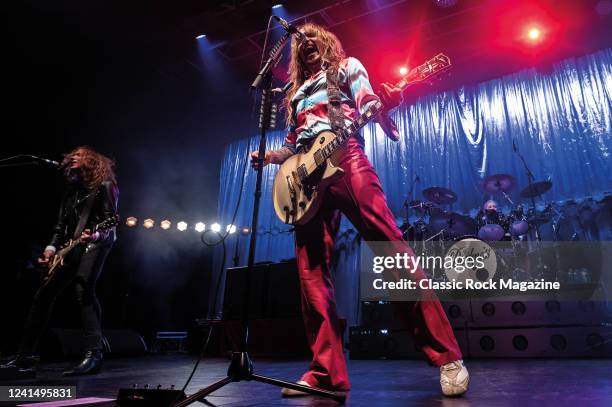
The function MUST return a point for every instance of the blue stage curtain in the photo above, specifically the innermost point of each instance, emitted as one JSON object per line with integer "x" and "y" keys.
{"x": 560, "y": 122}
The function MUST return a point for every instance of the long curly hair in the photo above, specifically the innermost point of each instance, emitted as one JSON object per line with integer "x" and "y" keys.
{"x": 331, "y": 55}
{"x": 96, "y": 167}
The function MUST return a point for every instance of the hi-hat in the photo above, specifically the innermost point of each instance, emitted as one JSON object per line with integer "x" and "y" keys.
{"x": 439, "y": 195}
{"x": 499, "y": 183}
{"x": 536, "y": 189}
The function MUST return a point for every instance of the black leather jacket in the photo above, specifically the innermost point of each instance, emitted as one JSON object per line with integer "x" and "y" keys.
{"x": 73, "y": 205}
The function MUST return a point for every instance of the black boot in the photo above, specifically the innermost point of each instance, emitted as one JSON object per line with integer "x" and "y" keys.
{"x": 19, "y": 367}
{"x": 89, "y": 365}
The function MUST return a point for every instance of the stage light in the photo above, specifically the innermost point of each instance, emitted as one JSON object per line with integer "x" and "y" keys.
{"x": 277, "y": 6}
{"x": 148, "y": 223}
{"x": 534, "y": 33}
{"x": 199, "y": 37}
{"x": 200, "y": 227}
{"x": 231, "y": 229}
{"x": 182, "y": 226}
{"x": 131, "y": 221}
{"x": 403, "y": 70}
{"x": 245, "y": 230}
{"x": 165, "y": 224}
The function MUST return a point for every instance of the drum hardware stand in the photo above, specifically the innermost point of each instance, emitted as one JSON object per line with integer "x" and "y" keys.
{"x": 241, "y": 366}
{"x": 508, "y": 198}
{"x": 530, "y": 180}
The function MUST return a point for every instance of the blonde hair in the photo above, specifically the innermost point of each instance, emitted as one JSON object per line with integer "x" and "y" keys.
{"x": 331, "y": 55}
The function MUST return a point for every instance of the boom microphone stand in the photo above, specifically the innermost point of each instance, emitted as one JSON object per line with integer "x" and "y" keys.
{"x": 530, "y": 180}
{"x": 241, "y": 366}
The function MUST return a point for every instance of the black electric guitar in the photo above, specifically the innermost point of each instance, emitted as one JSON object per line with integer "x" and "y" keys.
{"x": 58, "y": 260}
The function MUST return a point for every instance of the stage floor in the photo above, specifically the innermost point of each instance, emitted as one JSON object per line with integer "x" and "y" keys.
{"x": 388, "y": 383}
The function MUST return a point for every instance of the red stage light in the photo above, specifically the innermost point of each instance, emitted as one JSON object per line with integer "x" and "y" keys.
{"x": 403, "y": 70}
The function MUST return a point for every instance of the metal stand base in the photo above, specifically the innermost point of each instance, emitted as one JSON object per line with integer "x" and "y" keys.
{"x": 241, "y": 369}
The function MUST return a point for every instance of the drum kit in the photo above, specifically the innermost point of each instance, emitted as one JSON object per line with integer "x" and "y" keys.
{"x": 434, "y": 222}
{"x": 519, "y": 235}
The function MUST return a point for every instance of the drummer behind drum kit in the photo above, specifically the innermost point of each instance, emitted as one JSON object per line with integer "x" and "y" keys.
{"x": 490, "y": 224}
{"x": 438, "y": 227}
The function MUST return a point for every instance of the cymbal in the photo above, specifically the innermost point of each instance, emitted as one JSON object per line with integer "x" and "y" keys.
{"x": 535, "y": 189}
{"x": 439, "y": 195}
{"x": 499, "y": 183}
{"x": 452, "y": 223}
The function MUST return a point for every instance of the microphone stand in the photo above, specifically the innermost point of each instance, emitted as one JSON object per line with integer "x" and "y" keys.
{"x": 241, "y": 366}
{"x": 32, "y": 160}
{"x": 530, "y": 180}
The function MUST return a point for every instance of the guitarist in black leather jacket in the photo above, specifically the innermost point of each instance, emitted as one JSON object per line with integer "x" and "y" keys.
{"x": 90, "y": 198}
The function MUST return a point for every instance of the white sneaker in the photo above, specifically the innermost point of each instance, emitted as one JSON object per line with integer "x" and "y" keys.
{"x": 287, "y": 392}
{"x": 454, "y": 378}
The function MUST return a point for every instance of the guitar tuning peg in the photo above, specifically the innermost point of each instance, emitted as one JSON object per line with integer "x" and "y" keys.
{"x": 158, "y": 386}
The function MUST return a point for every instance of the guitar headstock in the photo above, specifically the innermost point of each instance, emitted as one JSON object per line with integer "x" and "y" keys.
{"x": 435, "y": 66}
{"x": 107, "y": 223}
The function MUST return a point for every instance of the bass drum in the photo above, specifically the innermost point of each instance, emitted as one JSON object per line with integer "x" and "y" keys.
{"x": 470, "y": 251}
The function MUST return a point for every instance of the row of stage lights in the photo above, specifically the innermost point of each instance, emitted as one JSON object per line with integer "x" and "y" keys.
{"x": 182, "y": 226}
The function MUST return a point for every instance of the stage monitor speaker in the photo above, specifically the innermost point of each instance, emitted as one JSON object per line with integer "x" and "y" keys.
{"x": 368, "y": 343}
{"x": 547, "y": 342}
{"x": 123, "y": 342}
{"x": 385, "y": 315}
{"x": 60, "y": 343}
{"x": 523, "y": 312}
{"x": 275, "y": 292}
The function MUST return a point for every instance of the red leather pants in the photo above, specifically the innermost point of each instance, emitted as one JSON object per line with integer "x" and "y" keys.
{"x": 359, "y": 195}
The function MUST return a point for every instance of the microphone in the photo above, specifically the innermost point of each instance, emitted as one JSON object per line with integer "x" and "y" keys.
{"x": 44, "y": 160}
{"x": 290, "y": 28}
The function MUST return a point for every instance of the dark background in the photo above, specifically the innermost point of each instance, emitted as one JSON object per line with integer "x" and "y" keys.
{"x": 130, "y": 80}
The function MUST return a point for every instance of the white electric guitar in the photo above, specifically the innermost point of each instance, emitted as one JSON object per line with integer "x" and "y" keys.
{"x": 302, "y": 179}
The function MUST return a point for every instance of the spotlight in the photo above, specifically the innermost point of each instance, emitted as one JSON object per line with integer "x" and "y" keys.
{"x": 231, "y": 229}
{"x": 131, "y": 221}
{"x": 245, "y": 230}
{"x": 148, "y": 223}
{"x": 277, "y": 6}
{"x": 182, "y": 226}
{"x": 200, "y": 227}
{"x": 215, "y": 227}
{"x": 403, "y": 70}
{"x": 165, "y": 224}
{"x": 199, "y": 37}
{"x": 534, "y": 33}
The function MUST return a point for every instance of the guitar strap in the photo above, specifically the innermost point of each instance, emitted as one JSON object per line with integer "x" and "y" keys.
{"x": 334, "y": 106}
{"x": 85, "y": 215}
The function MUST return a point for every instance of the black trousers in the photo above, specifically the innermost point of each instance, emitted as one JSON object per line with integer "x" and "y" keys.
{"x": 84, "y": 273}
